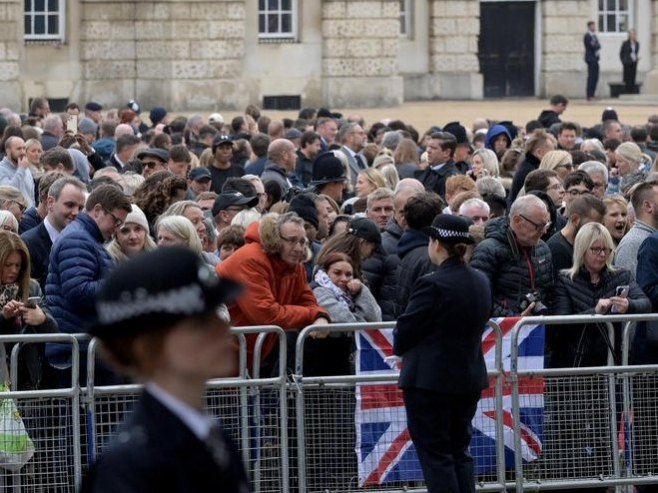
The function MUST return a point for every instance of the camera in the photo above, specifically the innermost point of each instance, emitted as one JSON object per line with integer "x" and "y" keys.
{"x": 534, "y": 297}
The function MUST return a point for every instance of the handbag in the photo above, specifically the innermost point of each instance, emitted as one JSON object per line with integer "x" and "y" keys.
{"x": 16, "y": 446}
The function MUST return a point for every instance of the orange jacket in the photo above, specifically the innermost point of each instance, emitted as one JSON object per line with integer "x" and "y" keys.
{"x": 276, "y": 293}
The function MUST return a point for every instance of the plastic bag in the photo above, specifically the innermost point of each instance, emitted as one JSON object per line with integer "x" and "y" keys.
{"x": 16, "y": 446}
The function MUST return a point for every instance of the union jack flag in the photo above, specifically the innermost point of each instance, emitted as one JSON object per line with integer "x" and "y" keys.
{"x": 383, "y": 446}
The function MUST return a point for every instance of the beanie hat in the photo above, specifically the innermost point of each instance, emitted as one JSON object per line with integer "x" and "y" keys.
{"x": 305, "y": 208}
{"x": 87, "y": 126}
{"x": 137, "y": 217}
{"x": 157, "y": 114}
{"x": 609, "y": 114}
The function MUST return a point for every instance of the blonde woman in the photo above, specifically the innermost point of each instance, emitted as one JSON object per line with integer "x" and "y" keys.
{"x": 33, "y": 153}
{"x": 616, "y": 217}
{"x": 178, "y": 230}
{"x": 630, "y": 162}
{"x": 558, "y": 161}
{"x": 484, "y": 163}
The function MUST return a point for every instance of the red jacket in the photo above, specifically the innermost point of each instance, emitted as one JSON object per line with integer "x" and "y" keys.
{"x": 276, "y": 293}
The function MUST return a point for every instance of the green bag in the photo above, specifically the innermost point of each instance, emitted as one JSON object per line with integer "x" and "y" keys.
{"x": 16, "y": 447}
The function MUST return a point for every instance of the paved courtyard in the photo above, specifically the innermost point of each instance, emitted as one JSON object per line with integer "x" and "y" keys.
{"x": 423, "y": 114}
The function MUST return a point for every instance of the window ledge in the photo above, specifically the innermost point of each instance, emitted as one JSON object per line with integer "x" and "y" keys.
{"x": 44, "y": 42}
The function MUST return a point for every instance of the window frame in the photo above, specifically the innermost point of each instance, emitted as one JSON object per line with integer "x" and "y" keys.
{"x": 292, "y": 35}
{"x": 602, "y": 15}
{"x": 406, "y": 19}
{"x": 32, "y": 14}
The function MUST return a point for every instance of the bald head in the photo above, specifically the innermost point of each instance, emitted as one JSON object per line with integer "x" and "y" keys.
{"x": 123, "y": 129}
{"x": 282, "y": 152}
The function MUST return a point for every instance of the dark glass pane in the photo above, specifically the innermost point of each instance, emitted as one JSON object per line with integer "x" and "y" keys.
{"x": 273, "y": 4}
{"x": 28, "y": 24}
{"x": 261, "y": 4}
{"x": 261, "y": 24}
{"x": 610, "y": 24}
{"x": 39, "y": 24}
{"x": 39, "y": 5}
{"x": 612, "y": 4}
{"x": 286, "y": 5}
{"x": 53, "y": 6}
{"x": 286, "y": 23}
{"x": 272, "y": 23}
{"x": 27, "y": 6}
{"x": 601, "y": 5}
{"x": 601, "y": 24}
{"x": 623, "y": 5}
{"x": 53, "y": 26}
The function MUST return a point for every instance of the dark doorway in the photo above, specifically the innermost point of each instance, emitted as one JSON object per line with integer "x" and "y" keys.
{"x": 507, "y": 48}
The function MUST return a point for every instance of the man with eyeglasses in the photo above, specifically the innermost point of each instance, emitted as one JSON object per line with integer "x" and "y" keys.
{"x": 515, "y": 259}
{"x": 78, "y": 264}
{"x": 576, "y": 184}
{"x": 153, "y": 160}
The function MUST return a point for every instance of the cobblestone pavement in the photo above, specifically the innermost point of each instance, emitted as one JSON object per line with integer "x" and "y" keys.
{"x": 423, "y": 114}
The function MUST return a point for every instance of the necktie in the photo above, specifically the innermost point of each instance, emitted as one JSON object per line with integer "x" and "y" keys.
{"x": 360, "y": 161}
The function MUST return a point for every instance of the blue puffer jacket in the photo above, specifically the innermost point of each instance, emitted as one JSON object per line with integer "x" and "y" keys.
{"x": 78, "y": 263}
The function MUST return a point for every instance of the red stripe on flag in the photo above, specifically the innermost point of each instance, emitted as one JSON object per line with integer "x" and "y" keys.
{"x": 387, "y": 459}
{"x": 508, "y": 420}
{"x": 506, "y": 325}
{"x": 381, "y": 396}
{"x": 381, "y": 341}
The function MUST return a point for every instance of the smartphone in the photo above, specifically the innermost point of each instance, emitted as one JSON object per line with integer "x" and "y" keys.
{"x": 621, "y": 291}
{"x": 72, "y": 124}
{"x": 32, "y": 301}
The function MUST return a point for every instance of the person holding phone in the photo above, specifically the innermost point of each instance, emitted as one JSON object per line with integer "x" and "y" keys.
{"x": 22, "y": 311}
{"x": 592, "y": 286}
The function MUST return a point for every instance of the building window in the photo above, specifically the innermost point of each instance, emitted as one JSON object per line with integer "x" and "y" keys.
{"x": 405, "y": 18}
{"x": 44, "y": 20}
{"x": 277, "y": 20}
{"x": 613, "y": 16}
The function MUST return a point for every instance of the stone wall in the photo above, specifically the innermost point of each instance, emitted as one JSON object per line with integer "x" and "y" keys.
{"x": 178, "y": 53}
{"x": 11, "y": 93}
{"x": 453, "y": 46}
{"x": 564, "y": 23}
{"x": 359, "y": 65}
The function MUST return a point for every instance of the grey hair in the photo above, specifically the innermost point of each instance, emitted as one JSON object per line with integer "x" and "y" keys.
{"x": 8, "y": 217}
{"x": 391, "y": 139}
{"x": 473, "y": 202}
{"x": 488, "y": 185}
{"x": 594, "y": 167}
{"x": 525, "y": 204}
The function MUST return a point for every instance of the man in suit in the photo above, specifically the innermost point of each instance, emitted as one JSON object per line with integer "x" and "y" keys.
{"x": 592, "y": 48}
{"x": 440, "y": 150}
{"x": 66, "y": 198}
{"x": 353, "y": 138}
{"x": 327, "y": 128}
{"x": 124, "y": 150}
{"x": 629, "y": 52}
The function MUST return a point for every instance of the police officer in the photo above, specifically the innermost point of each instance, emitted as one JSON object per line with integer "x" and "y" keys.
{"x": 439, "y": 338}
{"x": 161, "y": 319}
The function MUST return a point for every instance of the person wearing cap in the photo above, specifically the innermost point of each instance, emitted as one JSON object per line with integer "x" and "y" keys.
{"x": 93, "y": 111}
{"x": 464, "y": 148}
{"x": 271, "y": 266}
{"x": 439, "y": 338}
{"x": 222, "y": 167}
{"x": 158, "y": 115}
{"x": 168, "y": 443}
{"x": 132, "y": 237}
{"x": 198, "y": 181}
{"x": 227, "y": 205}
{"x": 329, "y": 176}
{"x": 153, "y": 160}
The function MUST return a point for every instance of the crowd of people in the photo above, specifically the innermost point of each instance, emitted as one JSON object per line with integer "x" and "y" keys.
{"x": 327, "y": 218}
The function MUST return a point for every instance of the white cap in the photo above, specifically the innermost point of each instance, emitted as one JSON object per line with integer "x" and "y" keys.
{"x": 216, "y": 118}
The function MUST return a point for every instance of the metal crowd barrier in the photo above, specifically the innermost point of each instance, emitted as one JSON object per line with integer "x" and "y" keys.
{"x": 297, "y": 433}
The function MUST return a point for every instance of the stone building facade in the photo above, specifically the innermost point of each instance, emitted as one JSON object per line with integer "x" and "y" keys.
{"x": 207, "y": 54}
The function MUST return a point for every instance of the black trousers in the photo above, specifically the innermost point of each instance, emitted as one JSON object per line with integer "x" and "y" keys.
{"x": 440, "y": 428}
{"x": 630, "y": 71}
{"x": 592, "y": 78}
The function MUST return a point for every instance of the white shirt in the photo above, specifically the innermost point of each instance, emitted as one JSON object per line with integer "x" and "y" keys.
{"x": 52, "y": 231}
{"x": 199, "y": 423}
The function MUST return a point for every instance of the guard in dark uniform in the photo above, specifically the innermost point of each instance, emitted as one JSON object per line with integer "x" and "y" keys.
{"x": 439, "y": 338}
{"x": 161, "y": 319}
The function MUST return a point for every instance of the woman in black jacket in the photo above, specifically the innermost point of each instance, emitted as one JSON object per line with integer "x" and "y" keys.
{"x": 590, "y": 287}
{"x": 439, "y": 338}
{"x": 629, "y": 55}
